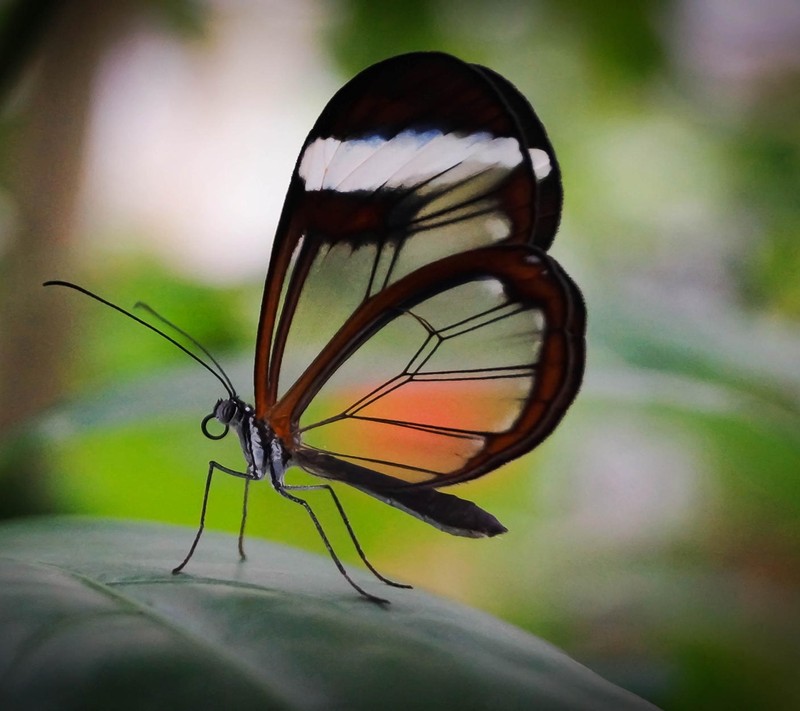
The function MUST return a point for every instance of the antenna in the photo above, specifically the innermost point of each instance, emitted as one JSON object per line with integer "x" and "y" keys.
{"x": 188, "y": 337}
{"x": 221, "y": 376}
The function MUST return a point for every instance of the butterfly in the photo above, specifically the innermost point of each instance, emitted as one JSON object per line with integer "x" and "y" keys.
{"x": 414, "y": 333}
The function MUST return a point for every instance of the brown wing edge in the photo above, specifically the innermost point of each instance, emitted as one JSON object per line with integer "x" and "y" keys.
{"x": 267, "y": 364}
{"x": 562, "y": 366}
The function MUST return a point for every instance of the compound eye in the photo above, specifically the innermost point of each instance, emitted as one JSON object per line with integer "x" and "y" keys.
{"x": 225, "y": 411}
{"x": 228, "y": 412}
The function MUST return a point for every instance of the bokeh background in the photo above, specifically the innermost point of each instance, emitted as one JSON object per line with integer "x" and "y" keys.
{"x": 146, "y": 148}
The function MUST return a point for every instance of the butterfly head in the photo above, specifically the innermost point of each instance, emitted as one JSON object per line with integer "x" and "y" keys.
{"x": 230, "y": 412}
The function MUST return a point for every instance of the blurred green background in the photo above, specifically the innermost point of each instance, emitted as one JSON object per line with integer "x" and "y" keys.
{"x": 146, "y": 148}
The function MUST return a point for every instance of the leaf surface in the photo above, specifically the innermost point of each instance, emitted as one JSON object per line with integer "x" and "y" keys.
{"x": 91, "y": 617}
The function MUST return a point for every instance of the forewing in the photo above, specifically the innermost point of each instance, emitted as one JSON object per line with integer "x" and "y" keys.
{"x": 443, "y": 376}
{"x": 417, "y": 158}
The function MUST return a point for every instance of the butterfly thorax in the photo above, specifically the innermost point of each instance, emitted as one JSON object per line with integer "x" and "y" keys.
{"x": 261, "y": 448}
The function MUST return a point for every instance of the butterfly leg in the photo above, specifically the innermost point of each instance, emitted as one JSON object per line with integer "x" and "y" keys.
{"x": 282, "y": 490}
{"x": 346, "y": 520}
{"x": 212, "y": 465}
{"x": 242, "y": 556}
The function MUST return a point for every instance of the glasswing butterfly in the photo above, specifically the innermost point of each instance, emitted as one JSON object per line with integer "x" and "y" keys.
{"x": 414, "y": 333}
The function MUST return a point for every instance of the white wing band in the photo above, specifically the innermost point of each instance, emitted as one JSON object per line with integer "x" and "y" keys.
{"x": 409, "y": 159}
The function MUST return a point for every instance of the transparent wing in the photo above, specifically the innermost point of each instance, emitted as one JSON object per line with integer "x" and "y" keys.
{"x": 416, "y": 159}
{"x": 446, "y": 374}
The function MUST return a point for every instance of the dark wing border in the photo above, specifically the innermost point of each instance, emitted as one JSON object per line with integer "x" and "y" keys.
{"x": 529, "y": 276}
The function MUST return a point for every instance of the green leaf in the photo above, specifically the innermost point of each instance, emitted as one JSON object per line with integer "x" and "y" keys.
{"x": 90, "y": 617}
